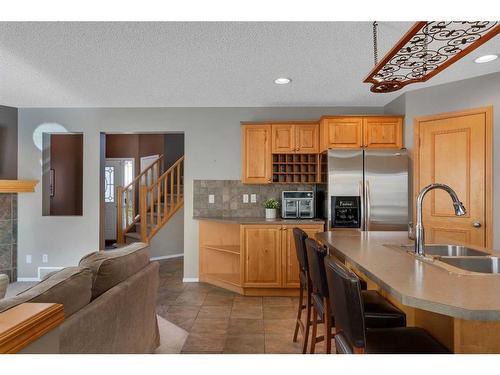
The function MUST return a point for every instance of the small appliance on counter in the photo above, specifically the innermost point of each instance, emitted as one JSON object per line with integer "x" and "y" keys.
{"x": 297, "y": 204}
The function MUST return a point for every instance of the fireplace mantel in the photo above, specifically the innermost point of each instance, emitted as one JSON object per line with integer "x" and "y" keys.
{"x": 17, "y": 186}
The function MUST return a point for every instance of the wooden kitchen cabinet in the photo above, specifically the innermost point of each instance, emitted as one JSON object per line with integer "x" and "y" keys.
{"x": 251, "y": 259}
{"x": 283, "y": 138}
{"x": 295, "y": 138}
{"x": 307, "y": 138}
{"x": 290, "y": 262}
{"x": 341, "y": 132}
{"x": 256, "y": 154}
{"x": 261, "y": 246}
{"x": 361, "y": 131}
{"x": 383, "y": 132}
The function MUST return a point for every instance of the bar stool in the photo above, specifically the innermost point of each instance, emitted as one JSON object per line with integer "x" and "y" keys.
{"x": 305, "y": 286}
{"x": 352, "y": 333}
{"x": 380, "y": 313}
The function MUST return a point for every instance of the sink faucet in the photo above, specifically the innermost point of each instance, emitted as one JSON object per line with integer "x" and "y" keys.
{"x": 419, "y": 227}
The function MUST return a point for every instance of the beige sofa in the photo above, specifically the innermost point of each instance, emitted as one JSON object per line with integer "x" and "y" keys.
{"x": 109, "y": 302}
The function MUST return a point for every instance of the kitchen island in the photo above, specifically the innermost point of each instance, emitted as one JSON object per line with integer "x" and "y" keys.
{"x": 252, "y": 255}
{"x": 462, "y": 310}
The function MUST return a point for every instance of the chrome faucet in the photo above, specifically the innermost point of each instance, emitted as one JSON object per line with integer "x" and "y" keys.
{"x": 419, "y": 227}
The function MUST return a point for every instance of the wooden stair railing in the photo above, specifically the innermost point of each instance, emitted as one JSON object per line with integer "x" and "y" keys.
{"x": 160, "y": 201}
{"x": 127, "y": 214}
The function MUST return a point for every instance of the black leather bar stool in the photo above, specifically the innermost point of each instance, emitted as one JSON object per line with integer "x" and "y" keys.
{"x": 305, "y": 286}
{"x": 380, "y": 313}
{"x": 352, "y": 332}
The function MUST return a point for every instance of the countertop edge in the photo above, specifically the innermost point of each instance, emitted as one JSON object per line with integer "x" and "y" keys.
{"x": 411, "y": 301}
{"x": 260, "y": 220}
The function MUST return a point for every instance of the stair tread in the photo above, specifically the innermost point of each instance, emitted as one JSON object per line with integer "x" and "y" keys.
{"x": 135, "y": 235}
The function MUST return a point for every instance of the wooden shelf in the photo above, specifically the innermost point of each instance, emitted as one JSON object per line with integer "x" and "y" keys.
{"x": 231, "y": 249}
{"x": 17, "y": 186}
{"x": 296, "y": 168}
{"x": 230, "y": 278}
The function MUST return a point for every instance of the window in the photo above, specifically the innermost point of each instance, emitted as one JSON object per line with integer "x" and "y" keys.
{"x": 109, "y": 184}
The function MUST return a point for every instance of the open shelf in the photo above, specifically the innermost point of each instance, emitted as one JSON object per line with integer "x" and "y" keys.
{"x": 231, "y": 249}
{"x": 296, "y": 168}
{"x": 230, "y": 278}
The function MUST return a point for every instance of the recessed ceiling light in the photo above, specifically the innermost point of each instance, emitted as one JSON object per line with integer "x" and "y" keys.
{"x": 282, "y": 81}
{"x": 485, "y": 59}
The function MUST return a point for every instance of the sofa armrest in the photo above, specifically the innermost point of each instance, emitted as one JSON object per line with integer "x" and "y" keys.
{"x": 25, "y": 323}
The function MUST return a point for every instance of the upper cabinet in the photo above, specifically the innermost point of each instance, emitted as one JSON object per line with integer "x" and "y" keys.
{"x": 357, "y": 131}
{"x": 307, "y": 138}
{"x": 341, "y": 132}
{"x": 290, "y": 152}
{"x": 383, "y": 132}
{"x": 256, "y": 154}
{"x": 283, "y": 138}
{"x": 295, "y": 138}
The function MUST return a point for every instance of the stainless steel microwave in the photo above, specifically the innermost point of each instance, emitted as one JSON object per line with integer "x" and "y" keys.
{"x": 297, "y": 204}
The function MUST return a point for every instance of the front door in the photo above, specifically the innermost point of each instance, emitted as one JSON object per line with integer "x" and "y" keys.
{"x": 117, "y": 172}
{"x": 455, "y": 149}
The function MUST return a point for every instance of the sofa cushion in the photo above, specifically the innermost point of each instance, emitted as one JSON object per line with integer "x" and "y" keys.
{"x": 71, "y": 287}
{"x": 111, "y": 267}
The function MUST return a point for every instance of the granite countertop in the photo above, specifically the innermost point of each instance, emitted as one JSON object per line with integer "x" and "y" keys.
{"x": 414, "y": 282}
{"x": 260, "y": 220}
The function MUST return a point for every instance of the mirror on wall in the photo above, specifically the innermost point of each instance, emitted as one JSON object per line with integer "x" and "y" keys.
{"x": 62, "y": 174}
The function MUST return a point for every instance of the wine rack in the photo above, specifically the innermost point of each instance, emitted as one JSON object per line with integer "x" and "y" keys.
{"x": 296, "y": 168}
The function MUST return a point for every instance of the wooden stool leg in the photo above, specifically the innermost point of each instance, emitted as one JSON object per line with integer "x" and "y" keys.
{"x": 308, "y": 323}
{"x": 328, "y": 328}
{"x": 299, "y": 313}
{"x": 314, "y": 329}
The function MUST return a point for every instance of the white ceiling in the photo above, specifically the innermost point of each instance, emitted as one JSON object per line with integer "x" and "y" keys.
{"x": 204, "y": 64}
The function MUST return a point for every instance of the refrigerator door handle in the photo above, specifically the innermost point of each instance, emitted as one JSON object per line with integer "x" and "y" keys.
{"x": 362, "y": 209}
{"x": 367, "y": 205}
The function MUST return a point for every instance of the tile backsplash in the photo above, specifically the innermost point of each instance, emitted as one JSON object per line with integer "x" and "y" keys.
{"x": 8, "y": 235}
{"x": 228, "y": 197}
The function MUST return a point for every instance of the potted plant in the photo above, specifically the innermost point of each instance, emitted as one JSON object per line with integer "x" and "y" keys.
{"x": 271, "y": 205}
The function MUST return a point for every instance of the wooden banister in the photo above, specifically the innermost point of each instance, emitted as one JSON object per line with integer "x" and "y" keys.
{"x": 127, "y": 215}
{"x": 154, "y": 165}
{"x": 154, "y": 212}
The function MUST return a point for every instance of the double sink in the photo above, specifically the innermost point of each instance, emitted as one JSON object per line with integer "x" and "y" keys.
{"x": 462, "y": 257}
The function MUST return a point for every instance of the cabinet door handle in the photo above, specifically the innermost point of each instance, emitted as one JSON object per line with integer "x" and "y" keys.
{"x": 476, "y": 224}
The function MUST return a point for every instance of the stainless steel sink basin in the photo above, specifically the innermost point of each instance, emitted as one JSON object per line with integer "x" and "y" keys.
{"x": 482, "y": 265}
{"x": 449, "y": 251}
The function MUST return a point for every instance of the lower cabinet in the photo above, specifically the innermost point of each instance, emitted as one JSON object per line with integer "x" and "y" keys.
{"x": 261, "y": 246}
{"x": 269, "y": 255}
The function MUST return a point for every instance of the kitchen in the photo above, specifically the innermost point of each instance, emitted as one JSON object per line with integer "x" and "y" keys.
{"x": 356, "y": 170}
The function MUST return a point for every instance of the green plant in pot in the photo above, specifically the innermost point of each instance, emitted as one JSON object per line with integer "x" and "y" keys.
{"x": 271, "y": 206}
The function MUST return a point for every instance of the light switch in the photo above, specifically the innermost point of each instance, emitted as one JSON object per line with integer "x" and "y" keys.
{"x": 245, "y": 198}
{"x": 211, "y": 198}
{"x": 253, "y": 198}
{"x": 28, "y": 258}
{"x": 45, "y": 258}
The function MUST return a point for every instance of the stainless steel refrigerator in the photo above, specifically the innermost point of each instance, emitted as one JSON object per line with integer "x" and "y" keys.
{"x": 368, "y": 190}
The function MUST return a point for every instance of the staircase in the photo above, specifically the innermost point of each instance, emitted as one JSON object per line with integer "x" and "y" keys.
{"x": 149, "y": 201}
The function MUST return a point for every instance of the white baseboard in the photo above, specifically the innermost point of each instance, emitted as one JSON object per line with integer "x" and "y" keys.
{"x": 28, "y": 279}
{"x": 190, "y": 280}
{"x": 167, "y": 257}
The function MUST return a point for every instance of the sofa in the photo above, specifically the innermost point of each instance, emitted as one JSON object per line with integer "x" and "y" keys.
{"x": 109, "y": 302}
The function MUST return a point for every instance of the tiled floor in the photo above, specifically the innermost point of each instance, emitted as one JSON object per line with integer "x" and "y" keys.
{"x": 220, "y": 321}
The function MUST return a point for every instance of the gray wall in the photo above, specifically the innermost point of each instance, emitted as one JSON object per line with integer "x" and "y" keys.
{"x": 470, "y": 93}
{"x": 174, "y": 148}
{"x": 8, "y": 143}
{"x": 212, "y": 149}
